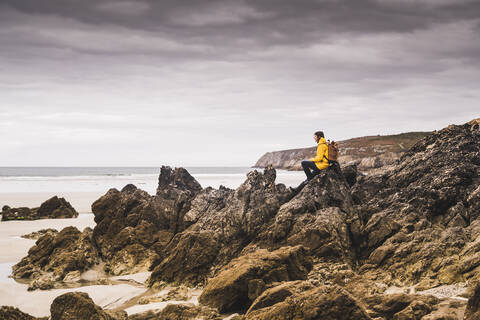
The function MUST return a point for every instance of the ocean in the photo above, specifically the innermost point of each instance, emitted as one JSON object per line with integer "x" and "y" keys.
{"x": 29, "y": 186}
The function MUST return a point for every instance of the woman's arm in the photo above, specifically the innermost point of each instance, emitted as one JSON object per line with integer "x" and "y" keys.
{"x": 322, "y": 150}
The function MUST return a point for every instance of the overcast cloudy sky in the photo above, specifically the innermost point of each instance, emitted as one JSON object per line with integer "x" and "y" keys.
{"x": 146, "y": 83}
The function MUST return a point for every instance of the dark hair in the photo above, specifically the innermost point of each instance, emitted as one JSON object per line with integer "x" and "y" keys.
{"x": 319, "y": 134}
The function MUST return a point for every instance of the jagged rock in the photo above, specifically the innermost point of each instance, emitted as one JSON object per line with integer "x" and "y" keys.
{"x": 132, "y": 226}
{"x": 302, "y": 301}
{"x": 38, "y": 234}
{"x": 418, "y": 219}
{"x": 224, "y": 216}
{"x": 350, "y": 173}
{"x": 11, "y": 313}
{"x": 229, "y": 290}
{"x": 79, "y": 306}
{"x": 176, "y": 190}
{"x": 327, "y": 189}
{"x": 246, "y": 209}
{"x": 179, "y": 312}
{"x": 316, "y": 218}
{"x": 126, "y": 228}
{"x": 188, "y": 258}
{"x": 55, "y": 255}
{"x": 53, "y": 208}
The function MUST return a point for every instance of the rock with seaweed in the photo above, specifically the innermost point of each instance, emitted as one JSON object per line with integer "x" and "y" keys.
{"x": 53, "y": 208}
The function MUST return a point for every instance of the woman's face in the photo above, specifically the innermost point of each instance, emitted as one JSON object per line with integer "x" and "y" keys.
{"x": 315, "y": 138}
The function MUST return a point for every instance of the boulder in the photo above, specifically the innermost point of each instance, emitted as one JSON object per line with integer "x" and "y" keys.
{"x": 302, "y": 301}
{"x": 54, "y": 255}
{"x": 244, "y": 278}
{"x": 53, "y": 208}
{"x": 11, "y": 313}
{"x": 79, "y": 306}
{"x": 56, "y": 207}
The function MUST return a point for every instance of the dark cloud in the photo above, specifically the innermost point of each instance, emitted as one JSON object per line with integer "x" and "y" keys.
{"x": 234, "y": 74}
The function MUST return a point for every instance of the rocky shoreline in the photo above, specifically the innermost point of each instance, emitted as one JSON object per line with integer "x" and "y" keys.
{"x": 53, "y": 208}
{"x": 333, "y": 249}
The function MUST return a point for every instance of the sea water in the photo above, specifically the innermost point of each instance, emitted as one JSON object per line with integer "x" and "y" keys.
{"x": 30, "y": 186}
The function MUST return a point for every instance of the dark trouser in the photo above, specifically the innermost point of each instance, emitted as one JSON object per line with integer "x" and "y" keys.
{"x": 310, "y": 169}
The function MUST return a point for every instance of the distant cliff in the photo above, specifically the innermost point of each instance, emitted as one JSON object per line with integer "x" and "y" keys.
{"x": 367, "y": 152}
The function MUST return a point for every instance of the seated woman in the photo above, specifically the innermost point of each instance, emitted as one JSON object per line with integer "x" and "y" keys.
{"x": 320, "y": 162}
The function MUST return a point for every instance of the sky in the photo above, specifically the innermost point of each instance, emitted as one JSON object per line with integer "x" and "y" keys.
{"x": 221, "y": 82}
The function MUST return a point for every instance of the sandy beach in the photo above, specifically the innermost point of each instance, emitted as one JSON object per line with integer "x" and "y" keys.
{"x": 13, "y": 248}
{"x": 37, "y": 303}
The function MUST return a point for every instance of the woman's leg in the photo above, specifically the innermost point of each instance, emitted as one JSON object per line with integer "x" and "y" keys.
{"x": 310, "y": 169}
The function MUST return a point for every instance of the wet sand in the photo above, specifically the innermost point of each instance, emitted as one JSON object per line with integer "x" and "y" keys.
{"x": 37, "y": 303}
{"x": 13, "y": 247}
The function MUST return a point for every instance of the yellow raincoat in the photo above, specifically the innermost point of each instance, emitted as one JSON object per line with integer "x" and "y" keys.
{"x": 321, "y": 159}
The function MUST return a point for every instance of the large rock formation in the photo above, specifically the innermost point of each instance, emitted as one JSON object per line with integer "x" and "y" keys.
{"x": 54, "y": 255}
{"x": 419, "y": 220}
{"x": 300, "y": 300}
{"x": 316, "y": 218}
{"x": 127, "y": 226}
{"x": 245, "y": 278}
{"x": 53, "y": 208}
{"x": 223, "y": 222}
{"x": 366, "y": 152}
{"x": 132, "y": 225}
